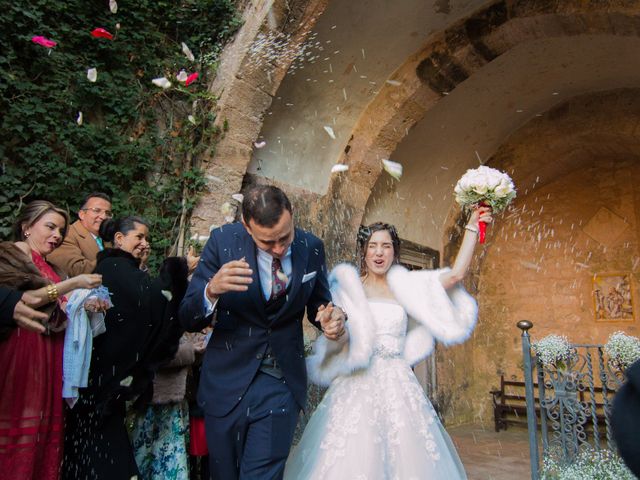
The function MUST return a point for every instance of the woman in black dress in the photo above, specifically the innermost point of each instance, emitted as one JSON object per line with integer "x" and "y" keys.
{"x": 142, "y": 332}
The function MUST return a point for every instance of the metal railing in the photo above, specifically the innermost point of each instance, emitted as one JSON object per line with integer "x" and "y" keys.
{"x": 575, "y": 399}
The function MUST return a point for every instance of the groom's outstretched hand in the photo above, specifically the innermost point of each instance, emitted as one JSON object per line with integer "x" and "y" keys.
{"x": 234, "y": 276}
{"x": 331, "y": 320}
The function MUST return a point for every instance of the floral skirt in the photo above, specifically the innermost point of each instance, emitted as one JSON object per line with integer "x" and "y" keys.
{"x": 159, "y": 438}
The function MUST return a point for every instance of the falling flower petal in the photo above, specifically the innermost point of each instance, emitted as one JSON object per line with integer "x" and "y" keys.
{"x": 192, "y": 119}
{"x": 395, "y": 83}
{"x": 167, "y": 294}
{"x": 92, "y": 74}
{"x": 101, "y": 33}
{"x": 117, "y": 26}
{"x": 339, "y": 167}
{"x": 238, "y": 197}
{"x": 393, "y": 168}
{"x": 113, "y": 6}
{"x": 329, "y": 130}
{"x": 187, "y": 52}
{"x": 259, "y": 144}
{"x": 126, "y": 382}
{"x": 182, "y": 76}
{"x": 161, "y": 82}
{"x": 45, "y": 42}
{"x": 191, "y": 78}
{"x": 79, "y": 118}
{"x": 281, "y": 275}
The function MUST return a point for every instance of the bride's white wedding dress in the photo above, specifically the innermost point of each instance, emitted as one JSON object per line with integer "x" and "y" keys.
{"x": 375, "y": 422}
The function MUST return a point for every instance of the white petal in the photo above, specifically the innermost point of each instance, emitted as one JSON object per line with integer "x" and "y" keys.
{"x": 113, "y": 6}
{"x": 393, "y": 168}
{"x": 329, "y": 131}
{"x": 161, "y": 82}
{"x": 281, "y": 275}
{"x": 182, "y": 76}
{"x": 126, "y": 382}
{"x": 259, "y": 144}
{"x": 167, "y": 294}
{"x": 187, "y": 52}
{"x": 79, "y": 118}
{"x": 238, "y": 197}
{"x": 92, "y": 74}
{"x": 191, "y": 119}
{"x": 339, "y": 167}
{"x": 395, "y": 83}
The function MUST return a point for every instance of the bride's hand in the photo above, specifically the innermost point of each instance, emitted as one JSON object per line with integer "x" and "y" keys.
{"x": 331, "y": 320}
{"x": 480, "y": 214}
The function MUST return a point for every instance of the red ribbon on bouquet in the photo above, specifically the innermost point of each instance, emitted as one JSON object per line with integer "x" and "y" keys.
{"x": 482, "y": 226}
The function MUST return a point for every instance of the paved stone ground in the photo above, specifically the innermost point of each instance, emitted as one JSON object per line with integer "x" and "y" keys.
{"x": 487, "y": 455}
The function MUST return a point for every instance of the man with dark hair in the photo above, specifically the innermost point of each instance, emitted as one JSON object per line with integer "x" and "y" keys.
{"x": 79, "y": 249}
{"x": 258, "y": 277}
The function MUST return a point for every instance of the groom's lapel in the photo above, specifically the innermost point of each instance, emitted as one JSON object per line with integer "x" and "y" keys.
{"x": 299, "y": 258}
{"x": 254, "y": 290}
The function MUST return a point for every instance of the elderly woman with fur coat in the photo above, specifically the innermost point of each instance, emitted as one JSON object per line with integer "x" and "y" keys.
{"x": 375, "y": 421}
{"x": 31, "y": 405}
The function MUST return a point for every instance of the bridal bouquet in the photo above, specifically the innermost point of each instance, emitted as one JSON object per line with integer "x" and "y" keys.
{"x": 485, "y": 186}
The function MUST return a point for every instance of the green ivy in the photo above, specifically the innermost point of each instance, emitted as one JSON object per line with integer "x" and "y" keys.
{"x": 136, "y": 141}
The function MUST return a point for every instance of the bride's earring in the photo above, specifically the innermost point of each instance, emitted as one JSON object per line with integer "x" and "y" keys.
{"x": 27, "y": 235}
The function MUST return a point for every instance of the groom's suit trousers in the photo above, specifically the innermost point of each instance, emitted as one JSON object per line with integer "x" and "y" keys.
{"x": 252, "y": 442}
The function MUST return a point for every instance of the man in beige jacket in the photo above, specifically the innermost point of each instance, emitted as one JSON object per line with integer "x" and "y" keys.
{"x": 78, "y": 251}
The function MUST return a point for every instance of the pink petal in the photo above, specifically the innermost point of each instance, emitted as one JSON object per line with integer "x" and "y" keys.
{"x": 191, "y": 78}
{"x": 101, "y": 33}
{"x": 45, "y": 42}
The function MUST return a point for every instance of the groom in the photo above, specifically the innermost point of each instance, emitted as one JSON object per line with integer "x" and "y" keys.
{"x": 254, "y": 281}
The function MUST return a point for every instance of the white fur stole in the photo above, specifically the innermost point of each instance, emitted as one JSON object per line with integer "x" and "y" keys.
{"x": 447, "y": 316}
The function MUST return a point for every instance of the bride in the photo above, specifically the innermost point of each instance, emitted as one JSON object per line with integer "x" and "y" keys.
{"x": 375, "y": 421}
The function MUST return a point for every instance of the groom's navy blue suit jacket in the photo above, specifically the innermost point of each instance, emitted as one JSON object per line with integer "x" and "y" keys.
{"x": 243, "y": 330}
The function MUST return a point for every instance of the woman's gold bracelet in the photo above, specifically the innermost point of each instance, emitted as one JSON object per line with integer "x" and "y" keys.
{"x": 52, "y": 292}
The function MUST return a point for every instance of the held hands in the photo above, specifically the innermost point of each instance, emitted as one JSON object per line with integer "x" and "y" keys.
{"x": 331, "y": 320}
{"x": 234, "y": 276}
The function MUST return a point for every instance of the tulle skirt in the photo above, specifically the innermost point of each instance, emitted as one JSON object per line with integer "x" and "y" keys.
{"x": 375, "y": 424}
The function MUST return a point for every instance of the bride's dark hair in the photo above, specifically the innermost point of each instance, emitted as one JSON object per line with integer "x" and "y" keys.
{"x": 364, "y": 235}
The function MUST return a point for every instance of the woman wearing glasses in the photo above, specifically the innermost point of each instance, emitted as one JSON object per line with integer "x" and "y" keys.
{"x": 375, "y": 421}
{"x": 78, "y": 251}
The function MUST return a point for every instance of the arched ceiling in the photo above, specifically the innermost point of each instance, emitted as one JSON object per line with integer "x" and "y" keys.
{"x": 354, "y": 48}
{"x": 468, "y": 125}
{"x": 438, "y": 86}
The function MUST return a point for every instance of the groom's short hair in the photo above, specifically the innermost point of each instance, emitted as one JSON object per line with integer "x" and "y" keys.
{"x": 264, "y": 204}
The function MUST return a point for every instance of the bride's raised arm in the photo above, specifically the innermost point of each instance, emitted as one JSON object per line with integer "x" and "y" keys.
{"x": 461, "y": 265}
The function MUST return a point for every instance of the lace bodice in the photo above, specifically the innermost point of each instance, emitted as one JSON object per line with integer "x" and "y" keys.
{"x": 390, "y": 321}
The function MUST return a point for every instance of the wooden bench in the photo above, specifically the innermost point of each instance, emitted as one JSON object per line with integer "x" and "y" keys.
{"x": 510, "y": 403}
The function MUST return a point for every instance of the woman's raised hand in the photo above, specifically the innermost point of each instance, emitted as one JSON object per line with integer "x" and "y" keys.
{"x": 480, "y": 214}
{"x": 88, "y": 280}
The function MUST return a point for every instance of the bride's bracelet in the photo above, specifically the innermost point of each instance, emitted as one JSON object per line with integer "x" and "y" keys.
{"x": 471, "y": 228}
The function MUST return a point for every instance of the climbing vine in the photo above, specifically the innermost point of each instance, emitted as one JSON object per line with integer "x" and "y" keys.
{"x": 63, "y": 135}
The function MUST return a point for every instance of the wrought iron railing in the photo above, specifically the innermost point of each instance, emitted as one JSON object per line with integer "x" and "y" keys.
{"x": 575, "y": 398}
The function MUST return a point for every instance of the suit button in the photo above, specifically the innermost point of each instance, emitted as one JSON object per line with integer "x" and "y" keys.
{"x": 269, "y": 331}
{"x": 259, "y": 356}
